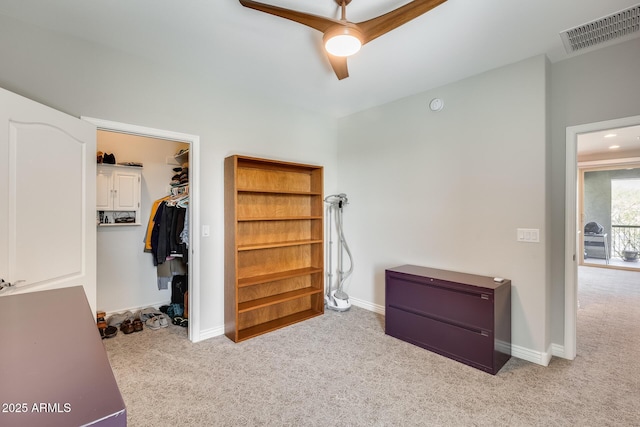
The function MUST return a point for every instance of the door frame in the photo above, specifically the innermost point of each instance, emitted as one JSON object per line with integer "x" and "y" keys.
{"x": 571, "y": 220}
{"x": 194, "y": 205}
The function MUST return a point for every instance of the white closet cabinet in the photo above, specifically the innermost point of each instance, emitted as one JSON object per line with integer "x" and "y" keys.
{"x": 118, "y": 195}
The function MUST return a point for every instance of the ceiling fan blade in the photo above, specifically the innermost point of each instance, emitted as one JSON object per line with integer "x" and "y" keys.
{"x": 374, "y": 28}
{"x": 339, "y": 65}
{"x": 316, "y": 22}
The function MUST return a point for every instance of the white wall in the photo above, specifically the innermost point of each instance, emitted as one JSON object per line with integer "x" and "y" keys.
{"x": 449, "y": 189}
{"x": 84, "y": 79}
{"x": 126, "y": 276}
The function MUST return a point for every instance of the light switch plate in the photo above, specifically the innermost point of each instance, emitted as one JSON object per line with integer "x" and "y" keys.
{"x": 530, "y": 235}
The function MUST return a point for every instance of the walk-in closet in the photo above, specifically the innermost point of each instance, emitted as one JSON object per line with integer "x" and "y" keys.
{"x": 141, "y": 263}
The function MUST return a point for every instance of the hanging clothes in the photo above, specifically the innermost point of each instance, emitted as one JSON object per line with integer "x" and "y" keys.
{"x": 184, "y": 235}
{"x": 167, "y": 226}
{"x": 150, "y": 224}
{"x": 155, "y": 232}
{"x": 167, "y": 236}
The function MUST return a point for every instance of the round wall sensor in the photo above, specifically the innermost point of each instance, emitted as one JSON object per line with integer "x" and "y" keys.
{"x": 436, "y": 104}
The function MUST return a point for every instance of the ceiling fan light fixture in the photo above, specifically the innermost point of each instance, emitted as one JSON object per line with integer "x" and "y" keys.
{"x": 342, "y": 40}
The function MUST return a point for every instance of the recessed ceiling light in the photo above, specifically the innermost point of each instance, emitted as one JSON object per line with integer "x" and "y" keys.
{"x": 613, "y": 147}
{"x": 611, "y": 135}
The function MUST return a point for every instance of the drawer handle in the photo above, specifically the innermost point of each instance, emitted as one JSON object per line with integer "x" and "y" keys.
{"x": 484, "y": 296}
{"x": 484, "y": 333}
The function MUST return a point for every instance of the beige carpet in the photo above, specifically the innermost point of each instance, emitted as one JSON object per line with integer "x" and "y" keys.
{"x": 341, "y": 369}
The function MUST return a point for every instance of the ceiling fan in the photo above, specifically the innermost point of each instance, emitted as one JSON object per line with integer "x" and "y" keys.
{"x": 343, "y": 38}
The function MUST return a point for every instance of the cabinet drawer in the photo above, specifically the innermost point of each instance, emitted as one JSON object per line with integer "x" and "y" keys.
{"x": 452, "y": 305}
{"x": 457, "y": 343}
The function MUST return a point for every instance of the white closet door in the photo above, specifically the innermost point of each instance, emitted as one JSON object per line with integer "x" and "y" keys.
{"x": 48, "y": 188}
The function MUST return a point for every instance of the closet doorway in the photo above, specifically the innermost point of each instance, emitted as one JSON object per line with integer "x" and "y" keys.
{"x": 164, "y": 144}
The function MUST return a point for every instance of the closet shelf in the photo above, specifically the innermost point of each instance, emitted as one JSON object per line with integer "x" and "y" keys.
{"x": 276, "y": 299}
{"x": 282, "y": 218}
{"x": 277, "y": 244}
{"x": 272, "y": 325}
{"x": 289, "y": 193}
{"x": 272, "y": 277}
{"x": 182, "y": 156}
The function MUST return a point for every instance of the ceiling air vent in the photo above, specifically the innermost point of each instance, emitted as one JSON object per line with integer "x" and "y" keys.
{"x": 616, "y": 27}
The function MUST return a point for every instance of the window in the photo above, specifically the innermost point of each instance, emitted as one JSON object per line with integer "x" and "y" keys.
{"x": 625, "y": 201}
{"x": 625, "y": 217}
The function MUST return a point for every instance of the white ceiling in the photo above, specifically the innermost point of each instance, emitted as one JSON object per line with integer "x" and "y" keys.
{"x": 620, "y": 140}
{"x": 281, "y": 59}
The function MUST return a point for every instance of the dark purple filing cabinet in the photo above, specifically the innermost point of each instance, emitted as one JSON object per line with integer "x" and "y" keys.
{"x": 461, "y": 316}
{"x": 54, "y": 369}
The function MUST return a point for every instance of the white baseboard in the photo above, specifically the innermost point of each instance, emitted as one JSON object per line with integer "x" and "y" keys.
{"x": 367, "y": 305}
{"x": 558, "y": 351}
{"x": 533, "y": 356}
{"x": 210, "y": 333}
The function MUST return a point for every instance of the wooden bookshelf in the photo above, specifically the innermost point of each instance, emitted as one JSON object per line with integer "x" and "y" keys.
{"x": 274, "y": 245}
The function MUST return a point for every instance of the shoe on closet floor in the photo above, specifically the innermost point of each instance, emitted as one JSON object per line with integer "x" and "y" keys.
{"x": 137, "y": 325}
{"x": 110, "y": 332}
{"x": 147, "y": 313}
{"x": 158, "y": 321}
{"x": 118, "y": 318}
{"x": 127, "y": 327}
{"x": 164, "y": 320}
{"x": 153, "y": 323}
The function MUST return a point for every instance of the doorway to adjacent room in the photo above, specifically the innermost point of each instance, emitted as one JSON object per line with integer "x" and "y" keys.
{"x": 573, "y": 229}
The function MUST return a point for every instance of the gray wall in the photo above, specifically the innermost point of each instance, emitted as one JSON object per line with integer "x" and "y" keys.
{"x": 449, "y": 189}
{"x": 597, "y": 198}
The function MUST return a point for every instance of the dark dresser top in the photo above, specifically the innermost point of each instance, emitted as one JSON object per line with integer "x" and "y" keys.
{"x": 449, "y": 276}
{"x": 53, "y": 365}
